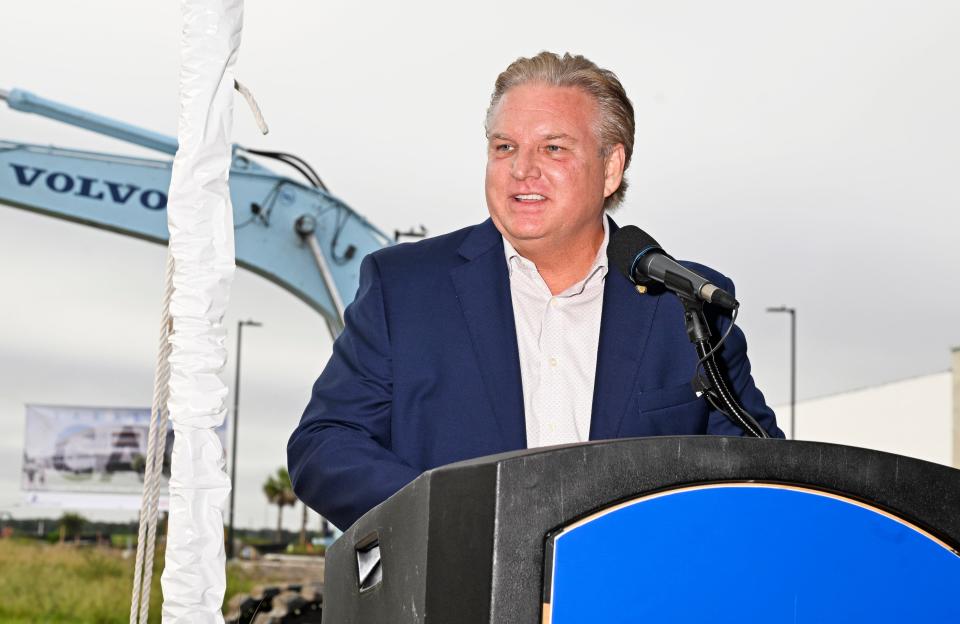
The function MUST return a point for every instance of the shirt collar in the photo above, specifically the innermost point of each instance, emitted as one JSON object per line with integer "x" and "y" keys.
{"x": 514, "y": 259}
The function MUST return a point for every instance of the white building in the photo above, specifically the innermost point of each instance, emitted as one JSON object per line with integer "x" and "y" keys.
{"x": 918, "y": 417}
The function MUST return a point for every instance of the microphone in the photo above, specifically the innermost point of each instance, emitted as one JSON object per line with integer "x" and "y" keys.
{"x": 644, "y": 261}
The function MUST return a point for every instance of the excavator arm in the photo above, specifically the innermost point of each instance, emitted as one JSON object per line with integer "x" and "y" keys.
{"x": 296, "y": 234}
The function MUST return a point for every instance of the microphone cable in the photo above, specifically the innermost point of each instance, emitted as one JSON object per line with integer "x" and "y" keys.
{"x": 715, "y": 389}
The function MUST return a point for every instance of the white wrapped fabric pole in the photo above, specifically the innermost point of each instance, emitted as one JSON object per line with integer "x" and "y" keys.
{"x": 200, "y": 219}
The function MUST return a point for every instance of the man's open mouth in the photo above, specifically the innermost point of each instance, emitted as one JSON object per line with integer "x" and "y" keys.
{"x": 529, "y": 198}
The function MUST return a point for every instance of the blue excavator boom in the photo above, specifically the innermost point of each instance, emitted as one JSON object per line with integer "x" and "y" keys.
{"x": 296, "y": 234}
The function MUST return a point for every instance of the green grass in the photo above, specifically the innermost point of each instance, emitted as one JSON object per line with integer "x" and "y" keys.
{"x": 120, "y": 540}
{"x": 51, "y": 583}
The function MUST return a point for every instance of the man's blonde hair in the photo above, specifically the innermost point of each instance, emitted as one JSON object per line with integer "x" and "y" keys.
{"x": 615, "y": 124}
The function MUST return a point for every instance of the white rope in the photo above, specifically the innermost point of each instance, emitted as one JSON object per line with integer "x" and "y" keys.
{"x": 254, "y": 107}
{"x": 153, "y": 470}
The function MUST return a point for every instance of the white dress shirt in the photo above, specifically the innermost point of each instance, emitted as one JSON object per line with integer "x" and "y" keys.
{"x": 557, "y": 337}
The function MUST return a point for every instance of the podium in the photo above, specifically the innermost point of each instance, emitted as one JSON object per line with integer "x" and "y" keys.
{"x": 667, "y": 529}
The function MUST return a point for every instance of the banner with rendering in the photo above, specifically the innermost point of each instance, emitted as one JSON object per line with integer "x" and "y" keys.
{"x": 89, "y": 457}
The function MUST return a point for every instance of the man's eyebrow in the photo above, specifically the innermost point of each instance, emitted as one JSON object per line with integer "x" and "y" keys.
{"x": 496, "y": 136}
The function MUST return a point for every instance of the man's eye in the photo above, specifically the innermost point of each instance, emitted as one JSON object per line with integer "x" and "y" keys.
{"x": 502, "y": 147}
{"x": 553, "y": 148}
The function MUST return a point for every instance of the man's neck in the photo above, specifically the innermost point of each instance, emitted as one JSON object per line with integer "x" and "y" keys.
{"x": 563, "y": 265}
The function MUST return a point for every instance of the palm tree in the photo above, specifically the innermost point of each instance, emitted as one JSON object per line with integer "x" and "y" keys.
{"x": 279, "y": 491}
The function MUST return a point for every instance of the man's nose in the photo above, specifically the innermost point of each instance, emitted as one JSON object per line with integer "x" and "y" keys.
{"x": 525, "y": 165}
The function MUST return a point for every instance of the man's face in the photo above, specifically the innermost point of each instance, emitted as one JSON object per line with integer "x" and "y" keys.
{"x": 546, "y": 178}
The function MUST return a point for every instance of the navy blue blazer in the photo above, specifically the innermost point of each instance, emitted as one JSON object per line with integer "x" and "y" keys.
{"x": 427, "y": 373}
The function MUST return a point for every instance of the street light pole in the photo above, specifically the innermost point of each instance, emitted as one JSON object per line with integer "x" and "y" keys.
{"x": 233, "y": 434}
{"x": 793, "y": 366}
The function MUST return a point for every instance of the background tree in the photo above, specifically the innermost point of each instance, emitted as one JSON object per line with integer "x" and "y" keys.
{"x": 279, "y": 491}
{"x": 70, "y": 525}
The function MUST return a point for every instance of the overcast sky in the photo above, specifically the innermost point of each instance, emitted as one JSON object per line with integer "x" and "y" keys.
{"x": 808, "y": 150}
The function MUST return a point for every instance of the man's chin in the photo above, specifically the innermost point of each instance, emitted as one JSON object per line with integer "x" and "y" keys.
{"x": 522, "y": 226}
{"x": 523, "y": 234}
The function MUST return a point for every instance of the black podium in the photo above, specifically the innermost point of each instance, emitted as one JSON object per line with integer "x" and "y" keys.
{"x": 678, "y": 529}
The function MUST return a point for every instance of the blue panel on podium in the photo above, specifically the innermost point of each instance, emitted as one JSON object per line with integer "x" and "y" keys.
{"x": 748, "y": 553}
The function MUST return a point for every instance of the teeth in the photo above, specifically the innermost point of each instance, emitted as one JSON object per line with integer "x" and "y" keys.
{"x": 530, "y": 197}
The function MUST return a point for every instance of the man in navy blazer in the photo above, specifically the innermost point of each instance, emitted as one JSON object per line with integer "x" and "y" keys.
{"x": 428, "y": 368}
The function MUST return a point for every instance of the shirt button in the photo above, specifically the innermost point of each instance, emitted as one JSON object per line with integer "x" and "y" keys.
{"x": 554, "y": 303}
{"x": 553, "y": 362}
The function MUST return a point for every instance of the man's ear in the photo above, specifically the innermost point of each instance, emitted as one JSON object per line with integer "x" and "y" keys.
{"x": 613, "y": 169}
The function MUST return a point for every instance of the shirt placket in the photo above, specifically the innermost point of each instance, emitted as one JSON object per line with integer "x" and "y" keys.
{"x": 552, "y": 395}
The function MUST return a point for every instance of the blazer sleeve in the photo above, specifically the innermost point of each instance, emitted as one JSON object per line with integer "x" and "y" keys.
{"x": 732, "y": 358}
{"x": 339, "y": 455}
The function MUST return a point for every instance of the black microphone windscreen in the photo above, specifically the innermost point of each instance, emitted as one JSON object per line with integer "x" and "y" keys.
{"x": 624, "y": 246}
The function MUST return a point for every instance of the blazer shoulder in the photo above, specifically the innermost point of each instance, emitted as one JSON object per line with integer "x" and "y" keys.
{"x": 427, "y": 254}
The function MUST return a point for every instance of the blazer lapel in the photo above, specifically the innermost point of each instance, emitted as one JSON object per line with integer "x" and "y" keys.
{"x": 483, "y": 288}
{"x": 625, "y": 326}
